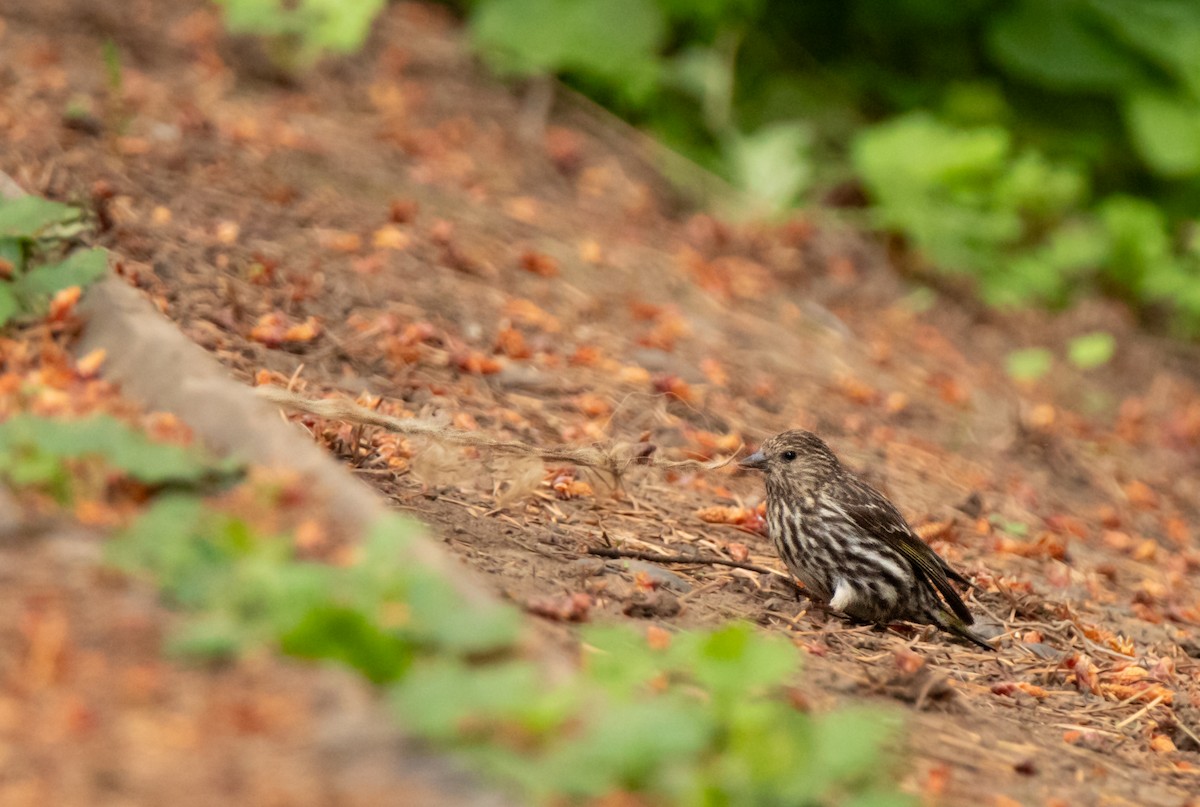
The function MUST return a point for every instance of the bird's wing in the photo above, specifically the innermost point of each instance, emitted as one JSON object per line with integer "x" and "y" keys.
{"x": 875, "y": 515}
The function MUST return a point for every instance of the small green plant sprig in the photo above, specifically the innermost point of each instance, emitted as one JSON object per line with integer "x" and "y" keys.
{"x": 1018, "y": 223}
{"x": 298, "y": 33}
{"x": 701, "y": 718}
{"x": 47, "y": 453}
{"x": 1086, "y": 352}
{"x": 31, "y": 230}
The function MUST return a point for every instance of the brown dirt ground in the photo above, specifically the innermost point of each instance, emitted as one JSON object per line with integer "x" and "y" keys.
{"x": 91, "y": 712}
{"x": 549, "y": 288}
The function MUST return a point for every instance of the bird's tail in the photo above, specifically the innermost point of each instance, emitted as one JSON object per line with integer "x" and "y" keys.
{"x": 950, "y": 623}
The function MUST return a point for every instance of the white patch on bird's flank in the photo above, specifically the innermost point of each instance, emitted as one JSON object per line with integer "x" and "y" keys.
{"x": 843, "y": 596}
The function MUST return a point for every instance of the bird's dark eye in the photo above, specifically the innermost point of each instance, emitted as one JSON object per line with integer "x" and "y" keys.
{"x": 788, "y": 456}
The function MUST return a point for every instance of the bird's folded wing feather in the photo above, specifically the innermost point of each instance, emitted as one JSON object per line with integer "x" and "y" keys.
{"x": 874, "y": 514}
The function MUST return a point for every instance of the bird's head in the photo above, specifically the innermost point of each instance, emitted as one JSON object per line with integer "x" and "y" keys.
{"x": 795, "y": 458}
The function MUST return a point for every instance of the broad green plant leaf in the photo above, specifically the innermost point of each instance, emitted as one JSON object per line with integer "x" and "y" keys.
{"x": 10, "y": 305}
{"x": 344, "y": 634}
{"x": 618, "y": 658}
{"x": 210, "y": 637}
{"x": 121, "y": 446}
{"x": 880, "y": 798}
{"x": 438, "y": 617}
{"x": 1166, "y": 131}
{"x": 1029, "y": 364}
{"x": 615, "y": 40}
{"x": 1059, "y": 45}
{"x": 712, "y": 13}
{"x": 162, "y": 543}
{"x": 772, "y": 163}
{"x": 28, "y": 217}
{"x": 736, "y": 660}
{"x": 1091, "y": 350}
{"x": 80, "y": 268}
{"x": 628, "y": 745}
{"x": 1166, "y": 31}
{"x": 300, "y": 32}
{"x": 12, "y": 253}
{"x": 440, "y": 698}
{"x": 851, "y": 741}
{"x": 1139, "y": 245}
{"x": 938, "y": 184}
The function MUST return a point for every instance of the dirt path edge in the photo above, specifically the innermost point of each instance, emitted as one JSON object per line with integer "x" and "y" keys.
{"x": 156, "y": 364}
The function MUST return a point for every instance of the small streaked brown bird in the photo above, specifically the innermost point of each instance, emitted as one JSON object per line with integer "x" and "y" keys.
{"x": 849, "y": 545}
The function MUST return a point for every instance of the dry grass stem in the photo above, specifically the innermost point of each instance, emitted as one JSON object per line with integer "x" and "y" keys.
{"x": 613, "y": 459}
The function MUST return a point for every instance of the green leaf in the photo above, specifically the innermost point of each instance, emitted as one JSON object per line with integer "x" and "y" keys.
{"x": 339, "y": 25}
{"x": 122, "y": 447}
{"x": 615, "y": 40}
{"x": 28, "y": 217}
{"x": 10, "y": 306}
{"x": 627, "y": 745}
{"x": 1166, "y": 31}
{"x": 439, "y": 616}
{"x": 1056, "y": 45}
{"x": 920, "y": 299}
{"x": 975, "y": 103}
{"x": 852, "y": 741}
{"x": 1139, "y": 245}
{"x": 263, "y": 587}
{"x": 703, "y": 73}
{"x": 1037, "y": 187}
{"x": 12, "y": 252}
{"x": 343, "y": 634}
{"x": 881, "y": 798}
{"x": 1026, "y": 278}
{"x": 938, "y": 185}
{"x": 163, "y": 543}
{"x": 1029, "y": 364}
{"x": 772, "y": 163}
{"x": 735, "y": 660}
{"x": 1091, "y": 350}
{"x": 299, "y": 32}
{"x": 32, "y": 468}
{"x": 618, "y": 658}
{"x": 1011, "y": 527}
{"x": 917, "y": 152}
{"x": 712, "y": 13}
{"x": 1166, "y": 131}
{"x": 80, "y": 268}
{"x": 216, "y": 636}
{"x": 441, "y": 698}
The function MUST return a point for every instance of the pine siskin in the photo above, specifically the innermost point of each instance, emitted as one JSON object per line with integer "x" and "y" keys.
{"x": 849, "y": 545}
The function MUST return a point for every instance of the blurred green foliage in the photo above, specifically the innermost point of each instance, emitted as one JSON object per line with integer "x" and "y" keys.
{"x": 33, "y": 233}
{"x": 701, "y": 719}
{"x": 1091, "y": 350}
{"x": 698, "y": 722}
{"x": 36, "y": 451}
{"x": 1043, "y": 148}
{"x": 298, "y": 32}
{"x": 1029, "y": 364}
{"x": 1086, "y": 352}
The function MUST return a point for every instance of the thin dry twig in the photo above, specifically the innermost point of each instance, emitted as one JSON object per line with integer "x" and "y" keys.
{"x": 1139, "y": 713}
{"x": 614, "y": 459}
{"x": 655, "y": 557}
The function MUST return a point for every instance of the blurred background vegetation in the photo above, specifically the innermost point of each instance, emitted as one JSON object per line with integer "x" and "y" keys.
{"x": 1041, "y": 149}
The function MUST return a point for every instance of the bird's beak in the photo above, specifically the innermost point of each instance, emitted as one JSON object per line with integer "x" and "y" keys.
{"x": 755, "y": 462}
